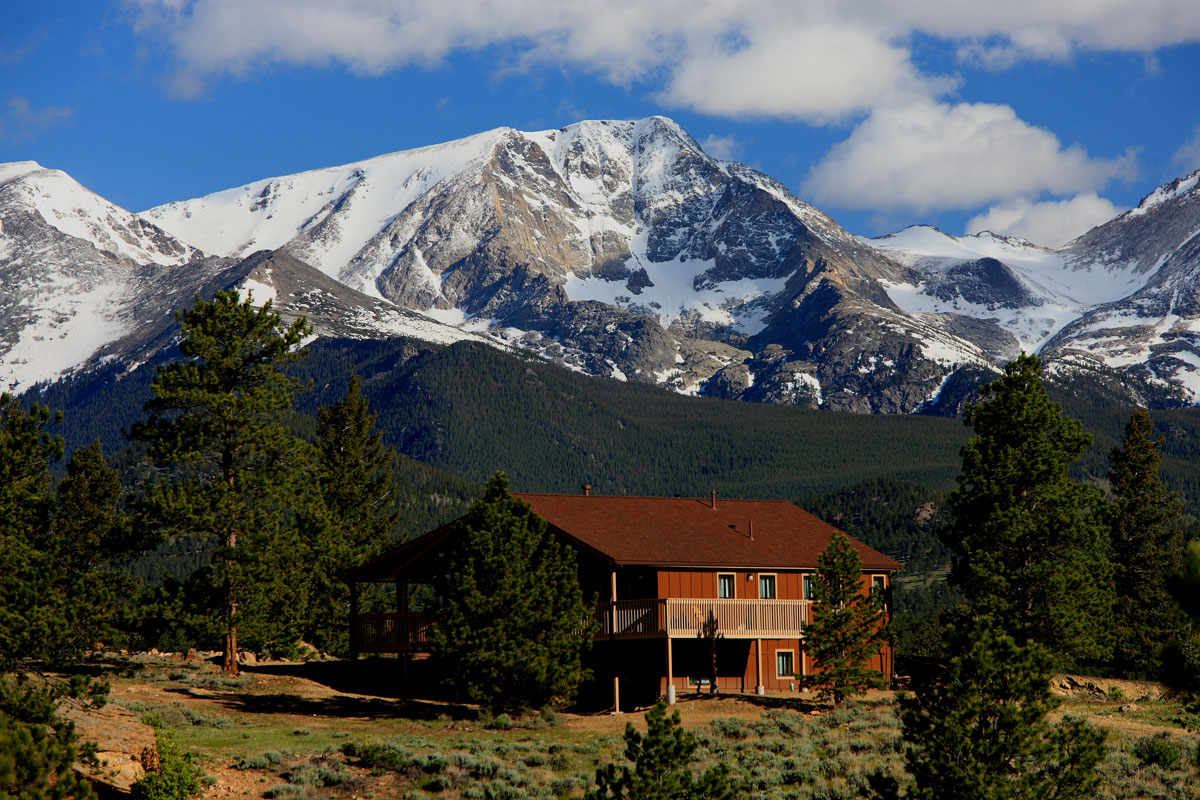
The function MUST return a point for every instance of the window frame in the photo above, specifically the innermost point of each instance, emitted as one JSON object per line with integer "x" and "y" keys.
{"x": 792, "y": 657}
{"x": 774, "y": 586}
{"x": 809, "y": 585}
{"x": 732, "y": 576}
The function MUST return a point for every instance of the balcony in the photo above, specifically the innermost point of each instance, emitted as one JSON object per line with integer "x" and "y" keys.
{"x": 677, "y": 618}
{"x": 684, "y": 618}
{"x": 390, "y": 633}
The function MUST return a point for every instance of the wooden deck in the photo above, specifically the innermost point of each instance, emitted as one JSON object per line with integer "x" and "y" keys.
{"x": 676, "y": 618}
{"x": 685, "y": 617}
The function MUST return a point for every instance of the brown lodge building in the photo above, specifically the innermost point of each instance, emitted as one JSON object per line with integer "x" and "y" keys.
{"x": 660, "y": 567}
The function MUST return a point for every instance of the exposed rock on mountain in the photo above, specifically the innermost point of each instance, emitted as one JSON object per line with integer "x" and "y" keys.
{"x": 618, "y": 249}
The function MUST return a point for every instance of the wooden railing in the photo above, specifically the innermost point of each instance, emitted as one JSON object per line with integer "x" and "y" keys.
{"x": 685, "y": 618}
{"x": 628, "y": 619}
{"x": 389, "y": 633}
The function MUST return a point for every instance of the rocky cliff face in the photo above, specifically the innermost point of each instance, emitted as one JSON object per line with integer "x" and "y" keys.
{"x": 617, "y": 248}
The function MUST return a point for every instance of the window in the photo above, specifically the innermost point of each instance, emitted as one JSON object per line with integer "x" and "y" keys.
{"x": 878, "y": 583}
{"x": 766, "y": 587}
{"x": 809, "y": 588}
{"x": 726, "y": 586}
{"x": 785, "y": 666}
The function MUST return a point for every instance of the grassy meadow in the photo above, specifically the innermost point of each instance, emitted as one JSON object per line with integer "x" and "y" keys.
{"x": 278, "y": 732}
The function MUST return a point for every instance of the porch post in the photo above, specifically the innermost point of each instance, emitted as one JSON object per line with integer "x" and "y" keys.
{"x": 354, "y": 619}
{"x": 670, "y": 675}
{"x": 613, "y": 644}
{"x": 758, "y": 682}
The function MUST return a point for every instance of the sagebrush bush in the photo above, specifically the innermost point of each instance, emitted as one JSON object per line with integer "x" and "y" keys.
{"x": 177, "y": 777}
{"x": 1158, "y": 749}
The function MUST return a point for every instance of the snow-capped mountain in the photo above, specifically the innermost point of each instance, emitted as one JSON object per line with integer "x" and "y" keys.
{"x": 1121, "y": 296}
{"x": 618, "y": 248}
{"x": 83, "y": 281}
{"x": 74, "y": 272}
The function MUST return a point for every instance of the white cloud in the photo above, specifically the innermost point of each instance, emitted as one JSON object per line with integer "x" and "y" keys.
{"x": 817, "y": 61}
{"x": 727, "y": 148}
{"x": 21, "y": 120}
{"x": 929, "y": 156}
{"x": 1051, "y": 223}
{"x": 811, "y": 60}
{"x": 1187, "y": 157}
{"x": 816, "y": 72}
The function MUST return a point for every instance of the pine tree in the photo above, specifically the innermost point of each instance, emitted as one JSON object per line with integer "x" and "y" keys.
{"x": 359, "y": 493}
{"x": 661, "y": 766}
{"x": 34, "y": 620}
{"x": 979, "y": 730}
{"x": 355, "y": 472}
{"x": 216, "y": 415}
{"x": 38, "y": 749}
{"x": 511, "y": 625}
{"x": 1184, "y": 585}
{"x": 1029, "y": 540}
{"x": 847, "y": 627}
{"x": 91, "y": 533}
{"x": 1147, "y": 549}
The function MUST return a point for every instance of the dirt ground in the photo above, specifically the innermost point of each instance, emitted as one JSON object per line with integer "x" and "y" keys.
{"x": 319, "y": 700}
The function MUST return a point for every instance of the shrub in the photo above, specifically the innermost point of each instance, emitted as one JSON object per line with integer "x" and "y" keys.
{"x": 1158, "y": 749}
{"x": 177, "y": 777}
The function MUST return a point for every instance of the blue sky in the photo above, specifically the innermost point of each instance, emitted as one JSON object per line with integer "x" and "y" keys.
{"x": 1023, "y": 119}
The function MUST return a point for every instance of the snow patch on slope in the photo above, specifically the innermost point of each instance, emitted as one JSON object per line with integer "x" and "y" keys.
{"x": 267, "y": 214}
{"x": 68, "y": 326}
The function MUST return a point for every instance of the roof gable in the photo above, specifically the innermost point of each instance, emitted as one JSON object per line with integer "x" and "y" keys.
{"x": 663, "y": 532}
{"x": 680, "y": 531}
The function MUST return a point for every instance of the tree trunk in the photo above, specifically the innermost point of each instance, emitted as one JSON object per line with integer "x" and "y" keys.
{"x": 229, "y": 660}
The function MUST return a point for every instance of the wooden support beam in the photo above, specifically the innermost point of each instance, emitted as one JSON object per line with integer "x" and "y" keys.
{"x": 613, "y": 644}
{"x": 670, "y": 664}
{"x": 759, "y": 687}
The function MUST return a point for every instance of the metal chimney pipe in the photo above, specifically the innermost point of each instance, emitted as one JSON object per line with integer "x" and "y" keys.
{"x": 752, "y": 530}
{"x": 587, "y": 489}
{"x": 714, "y": 499}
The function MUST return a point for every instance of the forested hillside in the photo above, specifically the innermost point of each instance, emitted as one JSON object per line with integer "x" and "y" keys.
{"x": 471, "y": 410}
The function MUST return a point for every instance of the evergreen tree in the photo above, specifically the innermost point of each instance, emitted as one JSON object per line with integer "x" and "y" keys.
{"x": 510, "y": 625}
{"x": 91, "y": 533}
{"x": 38, "y": 749}
{"x": 661, "y": 766}
{"x": 1029, "y": 540}
{"x": 1185, "y": 586}
{"x": 979, "y": 730}
{"x": 1147, "y": 549}
{"x": 216, "y": 414}
{"x": 359, "y": 493}
{"x": 847, "y": 627}
{"x": 34, "y": 620}
{"x": 356, "y": 477}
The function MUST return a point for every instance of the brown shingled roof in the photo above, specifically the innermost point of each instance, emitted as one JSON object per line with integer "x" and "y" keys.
{"x": 663, "y": 531}
{"x": 669, "y": 531}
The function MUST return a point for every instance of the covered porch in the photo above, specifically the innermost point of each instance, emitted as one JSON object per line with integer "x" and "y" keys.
{"x": 655, "y": 618}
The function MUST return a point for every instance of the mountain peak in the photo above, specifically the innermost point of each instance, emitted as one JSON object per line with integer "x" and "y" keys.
{"x": 17, "y": 169}
{"x": 1166, "y": 193}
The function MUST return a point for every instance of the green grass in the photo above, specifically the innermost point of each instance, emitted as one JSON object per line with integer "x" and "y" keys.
{"x": 775, "y": 754}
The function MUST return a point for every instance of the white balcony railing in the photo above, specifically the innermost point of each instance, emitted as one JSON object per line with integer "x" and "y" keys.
{"x": 628, "y": 619}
